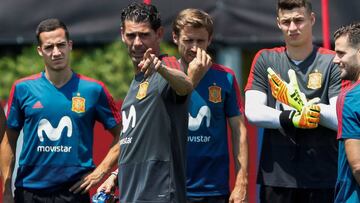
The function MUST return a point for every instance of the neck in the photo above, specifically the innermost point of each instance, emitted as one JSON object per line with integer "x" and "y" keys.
{"x": 58, "y": 78}
{"x": 299, "y": 53}
{"x": 183, "y": 65}
{"x": 136, "y": 68}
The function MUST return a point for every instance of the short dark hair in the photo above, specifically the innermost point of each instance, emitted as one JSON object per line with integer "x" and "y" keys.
{"x": 291, "y": 4}
{"x": 48, "y": 25}
{"x": 352, "y": 31}
{"x": 141, "y": 12}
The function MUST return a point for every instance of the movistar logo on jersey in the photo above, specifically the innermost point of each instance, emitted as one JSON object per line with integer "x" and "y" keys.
{"x": 127, "y": 121}
{"x": 54, "y": 134}
{"x": 194, "y": 123}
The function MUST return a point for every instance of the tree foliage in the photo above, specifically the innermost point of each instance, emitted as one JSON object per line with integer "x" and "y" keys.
{"x": 108, "y": 63}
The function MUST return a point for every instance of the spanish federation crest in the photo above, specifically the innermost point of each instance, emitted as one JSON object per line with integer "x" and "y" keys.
{"x": 142, "y": 90}
{"x": 215, "y": 94}
{"x": 78, "y": 104}
{"x": 315, "y": 79}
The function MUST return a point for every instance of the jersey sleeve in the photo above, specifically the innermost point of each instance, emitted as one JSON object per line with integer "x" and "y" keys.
{"x": 335, "y": 81}
{"x": 106, "y": 110}
{"x": 257, "y": 79}
{"x": 15, "y": 116}
{"x": 350, "y": 121}
{"x": 233, "y": 101}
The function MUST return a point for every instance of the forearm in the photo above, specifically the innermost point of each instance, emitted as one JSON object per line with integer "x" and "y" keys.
{"x": 7, "y": 150}
{"x": 328, "y": 117}
{"x": 240, "y": 151}
{"x": 258, "y": 113}
{"x": 2, "y": 123}
{"x": 177, "y": 79}
{"x": 111, "y": 158}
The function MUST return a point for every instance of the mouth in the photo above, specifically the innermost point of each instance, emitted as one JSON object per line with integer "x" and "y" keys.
{"x": 138, "y": 54}
{"x": 191, "y": 55}
{"x": 294, "y": 35}
{"x": 59, "y": 60}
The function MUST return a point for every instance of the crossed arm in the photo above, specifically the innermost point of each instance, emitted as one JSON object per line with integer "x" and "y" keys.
{"x": 258, "y": 113}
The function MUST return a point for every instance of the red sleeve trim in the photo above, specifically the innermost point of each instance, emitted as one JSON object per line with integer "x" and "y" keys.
{"x": 112, "y": 105}
{"x": 12, "y": 91}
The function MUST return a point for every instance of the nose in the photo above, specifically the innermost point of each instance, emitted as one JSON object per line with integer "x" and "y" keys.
{"x": 336, "y": 59}
{"x": 137, "y": 41}
{"x": 292, "y": 26}
{"x": 56, "y": 51}
{"x": 194, "y": 46}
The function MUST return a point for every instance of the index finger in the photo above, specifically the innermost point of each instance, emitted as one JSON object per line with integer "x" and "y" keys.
{"x": 198, "y": 53}
{"x": 147, "y": 53}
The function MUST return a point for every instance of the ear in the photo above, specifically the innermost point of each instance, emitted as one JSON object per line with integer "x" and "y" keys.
{"x": 278, "y": 22}
{"x": 39, "y": 50}
{"x": 210, "y": 39}
{"x": 122, "y": 34}
{"x": 70, "y": 43}
{"x": 312, "y": 16}
{"x": 175, "y": 38}
{"x": 160, "y": 33}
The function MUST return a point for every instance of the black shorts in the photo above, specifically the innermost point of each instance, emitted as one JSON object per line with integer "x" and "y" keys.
{"x": 63, "y": 195}
{"x": 209, "y": 199}
{"x": 270, "y": 194}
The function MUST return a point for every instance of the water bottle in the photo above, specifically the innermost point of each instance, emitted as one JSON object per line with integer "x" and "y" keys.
{"x": 102, "y": 197}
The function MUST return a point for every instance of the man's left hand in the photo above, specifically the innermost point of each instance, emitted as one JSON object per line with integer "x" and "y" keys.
{"x": 239, "y": 193}
{"x": 87, "y": 181}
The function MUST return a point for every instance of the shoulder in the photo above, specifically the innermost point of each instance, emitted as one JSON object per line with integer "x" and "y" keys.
{"x": 269, "y": 55}
{"x": 24, "y": 81}
{"x": 271, "y": 51}
{"x": 324, "y": 51}
{"x": 222, "y": 69}
{"x": 89, "y": 80}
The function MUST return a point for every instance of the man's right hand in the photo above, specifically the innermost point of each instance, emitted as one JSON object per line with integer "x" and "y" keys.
{"x": 109, "y": 185}
{"x": 286, "y": 93}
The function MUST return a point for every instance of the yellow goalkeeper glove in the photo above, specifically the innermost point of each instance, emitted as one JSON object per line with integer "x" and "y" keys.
{"x": 308, "y": 118}
{"x": 286, "y": 93}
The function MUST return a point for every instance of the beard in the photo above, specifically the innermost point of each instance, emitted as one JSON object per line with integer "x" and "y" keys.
{"x": 350, "y": 72}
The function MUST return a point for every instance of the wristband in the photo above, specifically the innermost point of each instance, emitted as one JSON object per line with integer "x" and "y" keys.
{"x": 286, "y": 121}
{"x": 115, "y": 173}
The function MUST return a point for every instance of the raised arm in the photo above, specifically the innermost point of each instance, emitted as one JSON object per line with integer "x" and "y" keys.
{"x": 177, "y": 79}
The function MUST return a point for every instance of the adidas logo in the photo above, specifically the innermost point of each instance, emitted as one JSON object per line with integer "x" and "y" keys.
{"x": 37, "y": 105}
